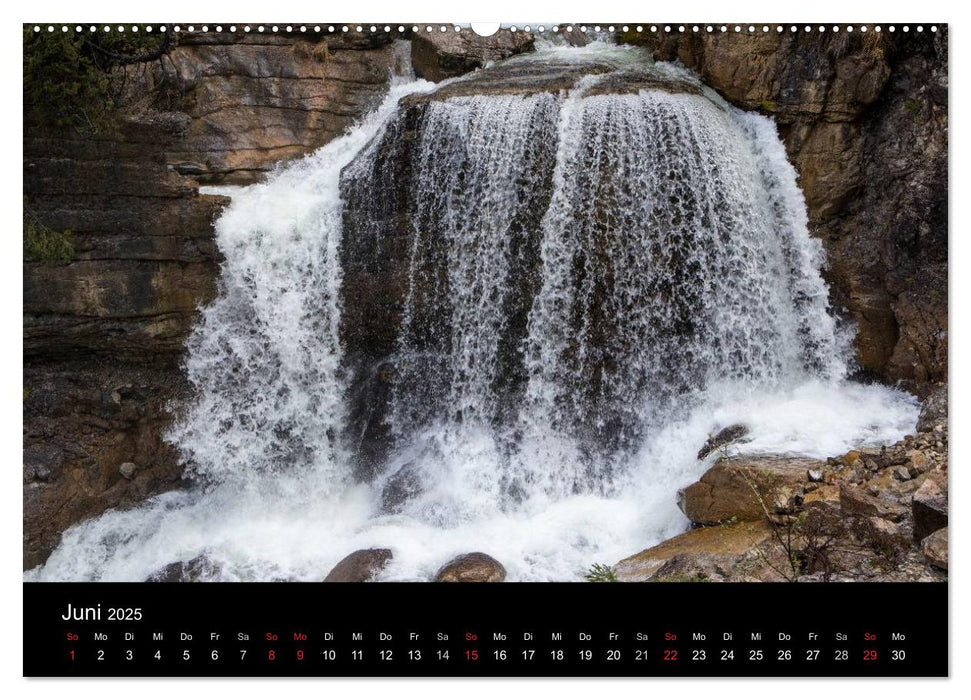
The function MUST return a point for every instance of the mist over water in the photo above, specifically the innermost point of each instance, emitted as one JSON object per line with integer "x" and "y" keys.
{"x": 596, "y": 283}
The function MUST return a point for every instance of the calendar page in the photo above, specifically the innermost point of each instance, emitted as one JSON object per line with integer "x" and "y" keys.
{"x": 638, "y": 331}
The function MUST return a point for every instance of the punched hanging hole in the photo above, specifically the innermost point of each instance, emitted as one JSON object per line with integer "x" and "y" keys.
{"x": 485, "y": 28}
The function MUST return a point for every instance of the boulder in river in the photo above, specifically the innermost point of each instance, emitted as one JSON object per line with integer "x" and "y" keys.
{"x": 475, "y": 567}
{"x": 359, "y": 566}
{"x": 195, "y": 569}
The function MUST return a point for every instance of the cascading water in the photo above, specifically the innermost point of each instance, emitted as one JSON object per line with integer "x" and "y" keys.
{"x": 589, "y": 281}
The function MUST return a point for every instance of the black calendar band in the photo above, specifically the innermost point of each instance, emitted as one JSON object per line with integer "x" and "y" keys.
{"x": 536, "y": 629}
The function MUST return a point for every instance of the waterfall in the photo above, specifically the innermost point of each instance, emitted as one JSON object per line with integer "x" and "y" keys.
{"x": 497, "y": 320}
{"x": 581, "y": 269}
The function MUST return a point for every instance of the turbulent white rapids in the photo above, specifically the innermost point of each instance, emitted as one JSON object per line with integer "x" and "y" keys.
{"x": 596, "y": 283}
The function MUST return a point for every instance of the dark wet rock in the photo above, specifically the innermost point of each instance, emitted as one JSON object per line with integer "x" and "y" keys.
{"x": 933, "y": 409}
{"x": 402, "y": 486}
{"x": 359, "y": 566}
{"x": 189, "y": 571}
{"x": 930, "y": 509}
{"x": 724, "y": 437}
{"x": 438, "y": 55}
{"x": 472, "y": 568}
{"x": 76, "y": 436}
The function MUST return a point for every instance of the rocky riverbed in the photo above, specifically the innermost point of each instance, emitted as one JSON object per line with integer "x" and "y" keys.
{"x": 867, "y": 515}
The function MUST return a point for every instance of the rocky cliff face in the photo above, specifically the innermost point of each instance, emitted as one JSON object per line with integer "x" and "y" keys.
{"x": 103, "y": 333}
{"x": 864, "y": 120}
{"x": 440, "y": 55}
{"x": 867, "y": 515}
{"x": 258, "y": 99}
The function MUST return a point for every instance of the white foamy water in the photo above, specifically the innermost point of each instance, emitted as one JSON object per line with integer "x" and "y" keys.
{"x": 616, "y": 277}
{"x": 252, "y": 538}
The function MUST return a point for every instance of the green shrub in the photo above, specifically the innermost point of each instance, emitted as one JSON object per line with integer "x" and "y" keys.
{"x": 601, "y": 573}
{"x": 44, "y": 245}
{"x": 913, "y": 105}
{"x": 72, "y": 79}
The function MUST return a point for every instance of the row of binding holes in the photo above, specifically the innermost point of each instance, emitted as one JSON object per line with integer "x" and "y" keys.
{"x": 331, "y": 29}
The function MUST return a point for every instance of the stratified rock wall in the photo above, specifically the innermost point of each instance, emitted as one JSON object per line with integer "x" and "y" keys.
{"x": 103, "y": 334}
{"x": 864, "y": 120}
{"x": 438, "y": 55}
{"x": 144, "y": 254}
{"x": 258, "y": 99}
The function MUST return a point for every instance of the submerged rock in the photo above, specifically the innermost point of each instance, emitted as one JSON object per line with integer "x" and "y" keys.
{"x": 475, "y": 567}
{"x": 359, "y": 566}
{"x": 404, "y": 484}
